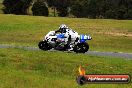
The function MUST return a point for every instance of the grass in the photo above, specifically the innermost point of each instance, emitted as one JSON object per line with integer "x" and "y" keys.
{"x": 38, "y": 69}
{"x": 108, "y": 35}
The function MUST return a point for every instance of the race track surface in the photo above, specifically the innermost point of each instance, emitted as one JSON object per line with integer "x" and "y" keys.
{"x": 96, "y": 53}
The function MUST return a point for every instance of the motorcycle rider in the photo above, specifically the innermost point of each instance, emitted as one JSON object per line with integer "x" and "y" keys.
{"x": 71, "y": 36}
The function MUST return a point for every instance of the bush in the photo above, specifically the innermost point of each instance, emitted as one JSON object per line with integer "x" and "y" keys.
{"x": 40, "y": 9}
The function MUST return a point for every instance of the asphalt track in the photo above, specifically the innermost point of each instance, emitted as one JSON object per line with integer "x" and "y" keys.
{"x": 96, "y": 53}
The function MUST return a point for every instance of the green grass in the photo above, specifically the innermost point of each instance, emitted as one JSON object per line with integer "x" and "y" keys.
{"x": 108, "y": 35}
{"x": 38, "y": 69}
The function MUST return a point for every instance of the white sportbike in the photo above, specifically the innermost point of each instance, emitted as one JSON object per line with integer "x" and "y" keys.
{"x": 57, "y": 42}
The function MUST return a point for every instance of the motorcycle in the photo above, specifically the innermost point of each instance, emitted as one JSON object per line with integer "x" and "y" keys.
{"x": 57, "y": 42}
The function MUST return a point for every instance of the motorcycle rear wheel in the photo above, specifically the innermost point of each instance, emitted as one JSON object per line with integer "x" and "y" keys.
{"x": 43, "y": 45}
{"x": 81, "y": 48}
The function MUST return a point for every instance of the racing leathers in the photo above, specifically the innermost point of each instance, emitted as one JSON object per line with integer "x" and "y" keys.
{"x": 70, "y": 37}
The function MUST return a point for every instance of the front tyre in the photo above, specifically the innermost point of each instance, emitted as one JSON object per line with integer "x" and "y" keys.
{"x": 81, "y": 48}
{"x": 43, "y": 45}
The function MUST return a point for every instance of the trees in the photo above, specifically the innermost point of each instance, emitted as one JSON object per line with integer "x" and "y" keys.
{"x": 60, "y": 5}
{"x": 16, "y": 6}
{"x": 113, "y": 9}
{"x": 40, "y": 9}
{"x": 77, "y": 10}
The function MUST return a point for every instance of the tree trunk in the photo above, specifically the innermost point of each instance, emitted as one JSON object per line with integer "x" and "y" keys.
{"x": 54, "y": 12}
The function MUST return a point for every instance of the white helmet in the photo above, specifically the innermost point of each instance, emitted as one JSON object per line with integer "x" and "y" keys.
{"x": 63, "y": 26}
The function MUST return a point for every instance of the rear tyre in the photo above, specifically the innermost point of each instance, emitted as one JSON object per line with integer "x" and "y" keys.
{"x": 43, "y": 45}
{"x": 81, "y": 48}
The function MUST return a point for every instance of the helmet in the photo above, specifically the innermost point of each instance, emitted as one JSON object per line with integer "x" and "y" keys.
{"x": 63, "y": 28}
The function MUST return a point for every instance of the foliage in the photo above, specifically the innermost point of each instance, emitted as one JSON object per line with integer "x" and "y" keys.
{"x": 111, "y": 9}
{"x": 40, "y": 9}
{"x": 60, "y": 5}
{"x": 115, "y": 9}
{"x": 16, "y": 6}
